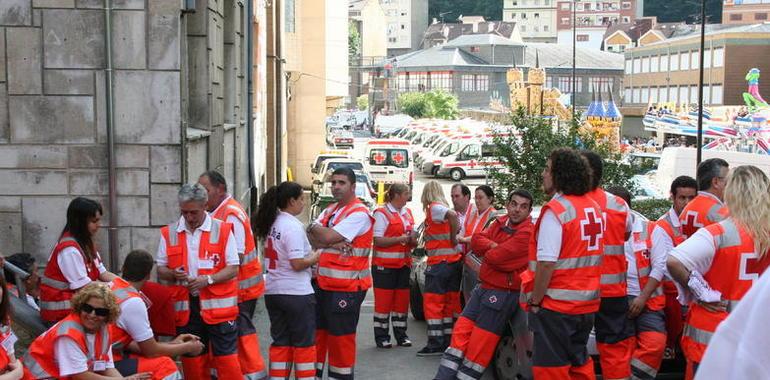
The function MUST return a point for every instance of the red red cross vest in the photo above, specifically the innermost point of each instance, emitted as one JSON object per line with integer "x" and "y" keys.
{"x": 397, "y": 255}
{"x": 438, "y": 243}
{"x": 642, "y": 243}
{"x": 574, "y": 286}
{"x": 703, "y": 211}
{"x": 219, "y": 302}
{"x": 346, "y": 272}
{"x": 250, "y": 284}
{"x": 40, "y": 359}
{"x": 55, "y": 292}
{"x": 614, "y": 264}
{"x": 667, "y": 224}
{"x": 120, "y": 339}
{"x": 733, "y": 271}
{"x": 5, "y": 332}
{"x": 476, "y": 223}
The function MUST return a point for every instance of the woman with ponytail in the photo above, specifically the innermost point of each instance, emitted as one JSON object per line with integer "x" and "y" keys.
{"x": 391, "y": 266}
{"x": 289, "y": 297}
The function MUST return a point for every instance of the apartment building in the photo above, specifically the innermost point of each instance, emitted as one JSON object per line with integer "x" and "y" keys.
{"x": 535, "y": 19}
{"x": 407, "y": 22}
{"x": 667, "y": 71}
{"x": 592, "y": 19}
{"x": 745, "y": 11}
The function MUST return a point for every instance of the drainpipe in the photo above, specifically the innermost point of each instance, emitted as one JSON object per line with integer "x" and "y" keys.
{"x": 112, "y": 230}
{"x": 250, "y": 97}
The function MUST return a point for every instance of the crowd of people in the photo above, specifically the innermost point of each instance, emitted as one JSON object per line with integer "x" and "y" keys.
{"x": 589, "y": 262}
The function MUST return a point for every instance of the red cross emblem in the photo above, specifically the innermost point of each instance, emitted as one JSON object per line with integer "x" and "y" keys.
{"x": 343, "y": 304}
{"x": 751, "y": 266}
{"x": 397, "y": 157}
{"x": 492, "y": 299}
{"x": 691, "y": 225}
{"x": 215, "y": 259}
{"x": 379, "y": 158}
{"x": 271, "y": 254}
{"x": 592, "y": 229}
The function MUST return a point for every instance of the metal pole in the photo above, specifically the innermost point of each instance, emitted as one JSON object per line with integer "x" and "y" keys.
{"x": 574, "y": 49}
{"x": 250, "y": 97}
{"x": 700, "y": 81}
{"x": 112, "y": 230}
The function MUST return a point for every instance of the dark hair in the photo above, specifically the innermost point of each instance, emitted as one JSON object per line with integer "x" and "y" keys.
{"x": 464, "y": 190}
{"x": 570, "y": 171}
{"x": 683, "y": 181}
{"x": 78, "y": 213}
{"x": 487, "y": 190}
{"x": 708, "y": 170}
{"x": 216, "y": 178}
{"x": 347, "y": 172}
{"x": 396, "y": 188}
{"x": 23, "y": 261}
{"x": 597, "y": 167}
{"x": 521, "y": 193}
{"x": 621, "y": 192}
{"x": 137, "y": 265}
{"x": 5, "y": 305}
{"x": 276, "y": 197}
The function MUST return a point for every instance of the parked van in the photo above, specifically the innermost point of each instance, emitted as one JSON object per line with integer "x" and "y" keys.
{"x": 677, "y": 161}
{"x": 390, "y": 161}
{"x": 452, "y": 147}
{"x": 474, "y": 159}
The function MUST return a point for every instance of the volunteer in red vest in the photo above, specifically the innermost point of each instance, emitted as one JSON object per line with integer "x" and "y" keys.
{"x": 74, "y": 262}
{"x": 707, "y": 208}
{"x": 666, "y": 235}
{"x": 443, "y": 273}
{"x": 478, "y": 216}
{"x": 391, "y": 266}
{"x": 27, "y": 263}
{"x": 716, "y": 266}
{"x": 134, "y": 348}
{"x": 502, "y": 248}
{"x": 289, "y": 294}
{"x": 614, "y": 332}
{"x": 78, "y": 346}
{"x": 560, "y": 288}
{"x": 645, "y": 295}
{"x": 343, "y": 232}
{"x": 10, "y": 368}
{"x": 222, "y": 206}
{"x": 198, "y": 255}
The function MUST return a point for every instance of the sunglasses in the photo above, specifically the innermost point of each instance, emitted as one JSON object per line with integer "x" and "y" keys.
{"x": 99, "y": 311}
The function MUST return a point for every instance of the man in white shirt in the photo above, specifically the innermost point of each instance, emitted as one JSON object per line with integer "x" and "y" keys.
{"x": 198, "y": 254}
{"x": 461, "y": 202}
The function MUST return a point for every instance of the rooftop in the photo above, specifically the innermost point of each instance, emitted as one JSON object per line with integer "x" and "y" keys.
{"x": 438, "y": 56}
{"x": 442, "y": 32}
{"x": 693, "y": 31}
{"x": 554, "y": 55}
{"x": 481, "y": 40}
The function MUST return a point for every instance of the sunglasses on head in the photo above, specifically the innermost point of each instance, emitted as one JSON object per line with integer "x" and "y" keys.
{"x": 99, "y": 311}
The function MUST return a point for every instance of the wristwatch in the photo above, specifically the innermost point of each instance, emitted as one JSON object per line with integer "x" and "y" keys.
{"x": 209, "y": 279}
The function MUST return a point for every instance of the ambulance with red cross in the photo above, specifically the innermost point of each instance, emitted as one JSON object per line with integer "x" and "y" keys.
{"x": 474, "y": 158}
{"x": 390, "y": 161}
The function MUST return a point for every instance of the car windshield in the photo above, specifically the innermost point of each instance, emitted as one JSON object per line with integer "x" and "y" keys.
{"x": 336, "y": 165}
{"x": 320, "y": 160}
{"x": 450, "y": 149}
{"x": 389, "y": 157}
{"x": 430, "y": 141}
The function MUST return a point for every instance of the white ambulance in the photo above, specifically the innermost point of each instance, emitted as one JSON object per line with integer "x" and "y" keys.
{"x": 390, "y": 161}
{"x": 475, "y": 158}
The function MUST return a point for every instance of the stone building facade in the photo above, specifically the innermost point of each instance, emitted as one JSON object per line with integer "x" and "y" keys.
{"x": 180, "y": 88}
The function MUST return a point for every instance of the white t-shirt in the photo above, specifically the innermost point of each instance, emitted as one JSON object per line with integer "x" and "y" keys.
{"x": 355, "y": 224}
{"x": 73, "y": 267}
{"x": 661, "y": 242}
{"x": 438, "y": 213}
{"x": 381, "y": 221}
{"x": 288, "y": 239}
{"x": 238, "y": 232}
{"x": 134, "y": 319}
{"x": 71, "y": 360}
{"x": 739, "y": 349}
{"x": 549, "y": 237}
{"x": 697, "y": 252}
{"x": 193, "y": 243}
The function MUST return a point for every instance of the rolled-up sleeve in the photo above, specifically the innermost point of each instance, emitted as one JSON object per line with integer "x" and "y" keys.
{"x": 697, "y": 252}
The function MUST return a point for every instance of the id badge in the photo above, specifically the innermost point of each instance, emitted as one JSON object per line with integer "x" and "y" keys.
{"x": 9, "y": 341}
{"x": 100, "y": 365}
{"x": 206, "y": 264}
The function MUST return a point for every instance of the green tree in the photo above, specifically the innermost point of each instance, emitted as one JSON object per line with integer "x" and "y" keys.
{"x": 491, "y": 9}
{"x": 683, "y": 10}
{"x": 434, "y": 104}
{"x": 354, "y": 41}
{"x": 524, "y": 149}
{"x": 363, "y": 102}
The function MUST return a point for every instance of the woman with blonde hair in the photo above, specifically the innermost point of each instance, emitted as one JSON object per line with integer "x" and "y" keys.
{"x": 391, "y": 266}
{"x": 717, "y": 265}
{"x": 442, "y": 276}
{"x": 78, "y": 346}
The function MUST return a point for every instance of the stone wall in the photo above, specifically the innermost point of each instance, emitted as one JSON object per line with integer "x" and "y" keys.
{"x": 53, "y": 128}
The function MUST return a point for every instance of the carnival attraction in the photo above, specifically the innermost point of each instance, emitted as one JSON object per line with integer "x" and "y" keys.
{"x": 732, "y": 128}
{"x": 602, "y": 119}
{"x": 532, "y": 94}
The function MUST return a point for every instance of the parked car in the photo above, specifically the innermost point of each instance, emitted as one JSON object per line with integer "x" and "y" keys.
{"x": 327, "y": 167}
{"x": 364, "y": 192}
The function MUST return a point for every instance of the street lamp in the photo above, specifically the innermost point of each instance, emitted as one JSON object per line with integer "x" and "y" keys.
{"x": 574, "y": 49}
{"x": 700, "y": 80}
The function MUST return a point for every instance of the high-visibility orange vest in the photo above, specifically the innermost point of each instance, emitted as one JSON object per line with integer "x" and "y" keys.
{"x": 397, "y": 255}
{"x": 476, "y": 223}
{"x": 438, "y": 243}
{"x": 614, "y": 264}
{"x": 120, "y": 339}
{"x": 674, "y": 232}
{"x": 574, "y": 286}
{"x": 642, "y": 243}
{"x": 250, "y": 284}
{"x": 5, "y": 332}
{"x": 55, "y": 292}
{"x": 40, "y": 359}
{"x": 219, "y": 302}
{"x": 342, "y": 272}
{"x": 733, "y": 271}
{"x": 703, "y": 211}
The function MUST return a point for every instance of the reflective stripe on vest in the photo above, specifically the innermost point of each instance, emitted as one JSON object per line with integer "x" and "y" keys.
{"x": 61, "y": 285}
{"x": 572, "y": 295}
{"x": 219, "y": 303}
{"x": 573, "y": 262}
{"x": 182, "y": 306}
{"x": 55, "y": 305}
{"x": 614, "y": 250}
{"x": 249, "y": 282}
{"x": 617, "y": 278}
{"x": 697, "y": 335}
{"x": 441, "y": 252}
{"x": 436, "y": 237}
{"x": 35, "y": 368}
{"x": 390, "y": 255}
{"x": 249, "y": 257}
{"x": 344, "y": 274}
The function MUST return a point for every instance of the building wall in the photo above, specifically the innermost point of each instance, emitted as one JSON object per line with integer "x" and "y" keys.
{"x": 596, "y": 13}
{"x": 374, "y": 43}
{"x": 53, "y": 127}
{"x": 419, "y": 21}
{"x": 745, "y": 13}
{"x": 589, "y": 38}
{"x": 336, "y": 45}
{"x": 407, "y": 21}
{"x": 535, "y": 19}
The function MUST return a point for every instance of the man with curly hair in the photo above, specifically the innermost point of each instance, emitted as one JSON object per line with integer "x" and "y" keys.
{"x": 560, "y": 289}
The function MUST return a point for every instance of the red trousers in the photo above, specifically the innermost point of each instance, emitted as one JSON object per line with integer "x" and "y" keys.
{"x": 336, "y": 322}
{"x": 441, "y": 301}
{"x": 292, "y": 327}
{"x": 220, "y": 339}
{"x": 252, "y": 364}
{"x": 162, "y": 367}
{"x": 391, "y": 302}
{"x": 614, "y": 338}
{"x": 649, "y": 343}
